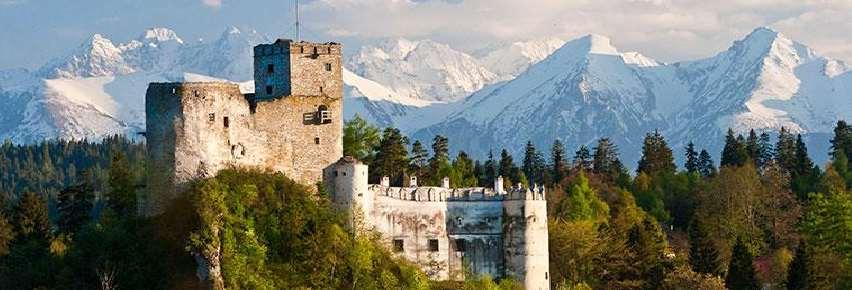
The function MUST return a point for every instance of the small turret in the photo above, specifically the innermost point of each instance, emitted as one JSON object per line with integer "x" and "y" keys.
{"x": 498, "y": 185}
{"x": 445, "y": 183}
{"x": 346, "y": 180}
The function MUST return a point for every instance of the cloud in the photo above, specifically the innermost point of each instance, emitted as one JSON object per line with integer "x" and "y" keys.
{"x": 212, "y": 3}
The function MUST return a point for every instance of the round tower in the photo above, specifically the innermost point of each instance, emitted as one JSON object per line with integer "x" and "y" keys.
{"x": 525, "y": 238}
{"x": 346, "y": 182}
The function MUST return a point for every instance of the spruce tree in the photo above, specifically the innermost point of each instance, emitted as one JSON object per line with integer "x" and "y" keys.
{"x": 583, "y": 158}
{"x": 842, "y": 140}
{"x": 752, "y": 147}
{"x": 797, "y": 273}
{"x": 439, "y": 161}
{"x": 703, "y": 255}
{"x": 656, "y": 156}
{"x": 391, "y": 157}
{"x": 734, "y": 153}
{"x": 741, "y": 274}
{"x": 557, "y": 160}
{"x": 764, "y": 151}
{"x": 419, "y": 159}
{"x": 785, "y": 151}
{"x": 803, "y": 164}
{"x": 31, "y": 217}
{"x": 74, "y": 205}
{"x": 7, "y": 235}
{"x": 490, "y": 170}
{"x": 692, "y": 163}
{"x": 605, "y": 160}
{"x": 507, "y": 167}
{"x": 533, "y": 166}
{"x": 122, "y": 191}
{"x": 705, "y": 164}
{"x": 464, "y": 170}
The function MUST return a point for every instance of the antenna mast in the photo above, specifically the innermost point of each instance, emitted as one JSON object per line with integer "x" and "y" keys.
{"x": 298, "y": 36}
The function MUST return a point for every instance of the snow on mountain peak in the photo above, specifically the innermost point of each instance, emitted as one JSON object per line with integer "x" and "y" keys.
{"x": 159, "y": 34}
{"x": 598, "y": 44}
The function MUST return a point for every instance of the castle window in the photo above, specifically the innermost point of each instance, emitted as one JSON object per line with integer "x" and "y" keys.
{"x": 324, "y": 115}
{"x": 211, "y": 117}
{"x": 316, "y": 140}
{"x": 433, "y": 245}
{"x": 270, "y": 69}
{"x": 320, "y": 89}
{"x": 397, "y": 245}
{"x": 461, "y": 245}
{"x": 328, "y": 67}
{"x": 459, "y": 221}
{"x": 268, "y": 90}
{"x": 226, "y": 122}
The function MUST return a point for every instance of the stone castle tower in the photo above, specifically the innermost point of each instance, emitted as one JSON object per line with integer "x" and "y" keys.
{"x": 292, "y": 123}
{"x": 450, "y": 231}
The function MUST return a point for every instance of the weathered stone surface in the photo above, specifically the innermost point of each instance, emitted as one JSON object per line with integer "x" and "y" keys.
{"x": 196, "y": 129}
{"x": 502, "y": 232}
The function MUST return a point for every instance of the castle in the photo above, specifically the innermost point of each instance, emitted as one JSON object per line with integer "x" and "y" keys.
{"x": 293, "y": 124}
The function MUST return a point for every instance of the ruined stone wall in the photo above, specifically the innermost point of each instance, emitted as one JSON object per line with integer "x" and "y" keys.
{"x": 300, "y": 149}
{"x": 189, "y": 139}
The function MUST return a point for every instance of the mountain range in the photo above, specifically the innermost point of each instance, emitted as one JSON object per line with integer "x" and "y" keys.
{"x": 495, "y": 98}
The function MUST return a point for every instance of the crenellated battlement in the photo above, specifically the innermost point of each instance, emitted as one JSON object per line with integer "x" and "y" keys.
{"x": 442, "y": 194}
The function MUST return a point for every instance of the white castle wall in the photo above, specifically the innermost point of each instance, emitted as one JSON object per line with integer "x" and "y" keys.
{"x": 504, "y": 231}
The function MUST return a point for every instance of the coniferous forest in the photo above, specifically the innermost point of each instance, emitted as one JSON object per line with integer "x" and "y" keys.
{"x": 763, "y": 216}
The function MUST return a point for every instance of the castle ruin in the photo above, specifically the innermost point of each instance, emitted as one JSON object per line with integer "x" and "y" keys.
{"x": 293, "y": 124}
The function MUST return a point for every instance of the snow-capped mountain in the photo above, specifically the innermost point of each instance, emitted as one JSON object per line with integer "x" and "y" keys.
{"x": 99, "y": 88}
{"x": 423, "y": 69}
{"x": 588, "y": 89}
{"x": 510, "y": 60}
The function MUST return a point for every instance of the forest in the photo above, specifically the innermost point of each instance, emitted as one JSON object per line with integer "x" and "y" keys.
{"x": 764, "y": 216}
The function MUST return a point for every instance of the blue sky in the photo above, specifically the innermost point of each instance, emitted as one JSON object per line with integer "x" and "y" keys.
{"x": 669, "y": 30}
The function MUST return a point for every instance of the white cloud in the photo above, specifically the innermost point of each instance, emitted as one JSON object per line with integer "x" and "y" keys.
{"x": 212, "y": 3}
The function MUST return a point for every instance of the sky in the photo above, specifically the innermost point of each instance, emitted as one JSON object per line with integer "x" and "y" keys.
{"x": 34, "y": 31}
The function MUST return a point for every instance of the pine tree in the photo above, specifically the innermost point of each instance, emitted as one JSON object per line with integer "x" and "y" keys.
{"x": 703, "y": 255}
{"x": 391, "y": 157}
{"x": 31, "y": 217}
{"x": 656, "y": 156}
{"x": 706, "y": 164}
{"x": 465, "y": 171}
{"x": 797, "y": 273}
{"x": 557, "y": 161}
{"x": 533, "y": 166}
{"x": 785, "y": 151}
{"x": 842, "y": 140}
{"x": 122, "y": 191}
{"x": 803, "y": 164}
{"x": 691, "y": 163}
{"x": 752, "y": 147}
{"x": 764, "y": 151}
{"x": 605, "y": 160}
{"x": 734, "y": 153}
{"x": 74, "y": 205}
{"x": 583, "y": 158}
{"x": 490, "y": 170}
{"x": 419, "y": 159}
{"x": 741, "y": 274}
{"x": 360, "y": 139}
{"x": 507, "y": 167}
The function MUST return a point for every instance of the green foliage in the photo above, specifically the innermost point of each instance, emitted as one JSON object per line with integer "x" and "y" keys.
{"x": 605, "y": 161}
{"x": 268, "y": 232}
{"x": 534, "y": 165}
{"x": 657, "y": 157}
{"x": 827, "y": 223}
{"x": 391, "y": 157}
{"x": 741, "y": 274}
{"x": 74, "y": 207}
{"x": 734, "y": 153}
{"x": 360, "y": 139}
{"x": 559, "y": 167}
{"x": 31, "y": 217}
{"x": 692, "y": 164}
{"x": 7, "y": 235}
{"x": 797, "y": 273}
{"x": 703, "y": 255}
{"x": 705, "y": 164}
{"x": 583, "y": 203}
{"x": 684, "y": 278}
